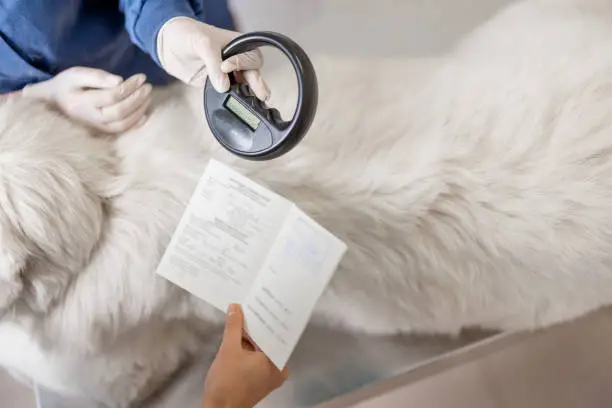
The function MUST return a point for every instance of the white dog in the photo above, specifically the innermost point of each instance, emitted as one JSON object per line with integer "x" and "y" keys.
{"x": 478, "y": 193}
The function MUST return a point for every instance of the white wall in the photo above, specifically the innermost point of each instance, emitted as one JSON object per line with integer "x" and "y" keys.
{"x": 368, "y": 27}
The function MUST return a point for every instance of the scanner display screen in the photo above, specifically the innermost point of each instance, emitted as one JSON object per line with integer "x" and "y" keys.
{"x": 242, "y": 112}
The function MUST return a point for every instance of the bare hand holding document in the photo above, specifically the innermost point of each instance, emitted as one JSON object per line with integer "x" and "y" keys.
{"x": 238, "y": 242}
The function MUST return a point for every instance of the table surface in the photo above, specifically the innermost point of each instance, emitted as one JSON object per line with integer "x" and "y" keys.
{"x": 325, "y": 364}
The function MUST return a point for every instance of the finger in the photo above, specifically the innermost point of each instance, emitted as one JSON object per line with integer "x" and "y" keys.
{"x": 105, "y": 97}
{"x": 257, "y": 84}
{"x": 238, "y": 77}
{"x": 285, "y": 373}
{"x": 82, "y": 77}
{"x": 234, "y": 326}
{"x": 126, "y": 107}
{"x": 212, "y": 61}
{"x": 140, "y": 123}
{"x": 243, "y": 62}
{"x": 122, "y": 126}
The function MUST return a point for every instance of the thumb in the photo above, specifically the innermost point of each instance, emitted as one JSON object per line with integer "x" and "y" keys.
{"x": 82, "y": 77}
{"x": 234, "y": 325}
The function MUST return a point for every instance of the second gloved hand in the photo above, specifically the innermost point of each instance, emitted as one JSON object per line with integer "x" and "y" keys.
{"x": 96, "y": 98}
{"x": 190, "y": 50}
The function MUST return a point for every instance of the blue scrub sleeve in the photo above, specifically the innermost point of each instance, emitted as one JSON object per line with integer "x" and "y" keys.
{"x": 144, "y": 19}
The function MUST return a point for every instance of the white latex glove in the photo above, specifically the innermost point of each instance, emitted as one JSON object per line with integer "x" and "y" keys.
{"x": 189, "y": 50}
{"x": 97, "y": 98}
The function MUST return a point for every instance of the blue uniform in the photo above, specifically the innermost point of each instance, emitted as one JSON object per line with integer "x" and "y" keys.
{"x": 41, "y": 38}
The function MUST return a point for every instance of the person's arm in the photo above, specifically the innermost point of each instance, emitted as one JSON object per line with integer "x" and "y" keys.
{"x": 186, "y": 48}
{"x": 144, "y": 19}
{"x": 241, "y": 375}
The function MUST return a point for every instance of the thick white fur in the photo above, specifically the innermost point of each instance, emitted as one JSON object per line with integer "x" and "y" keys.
{"x": 479, "y": 195}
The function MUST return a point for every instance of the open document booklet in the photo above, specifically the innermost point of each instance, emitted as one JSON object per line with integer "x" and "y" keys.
{"x": 238, "y": 242}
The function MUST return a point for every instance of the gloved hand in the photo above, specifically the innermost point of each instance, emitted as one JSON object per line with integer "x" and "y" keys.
{"x": 96, "y": 98}
{"x": 189, "y": 50}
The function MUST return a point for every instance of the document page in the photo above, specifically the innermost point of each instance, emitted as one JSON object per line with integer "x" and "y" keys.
{"x": 299, "y": 266}
{"x": 224, "y": 236}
